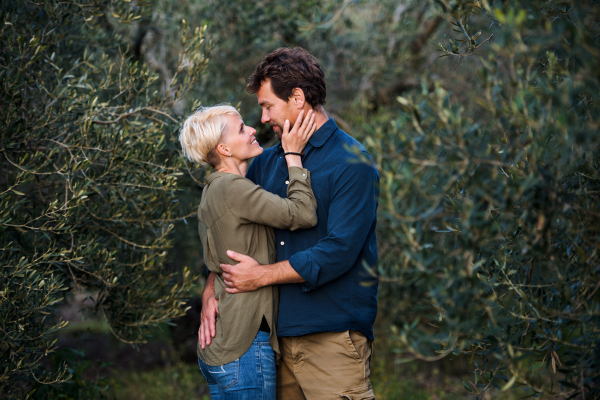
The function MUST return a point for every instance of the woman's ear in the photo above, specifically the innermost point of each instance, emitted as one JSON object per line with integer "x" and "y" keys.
{"x": 298, "y": 98}
{"x": 223, "y": 150}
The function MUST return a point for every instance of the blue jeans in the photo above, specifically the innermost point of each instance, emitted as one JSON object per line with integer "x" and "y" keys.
{"x": 250, "y": 377}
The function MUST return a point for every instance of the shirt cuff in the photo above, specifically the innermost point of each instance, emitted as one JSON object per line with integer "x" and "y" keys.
{"x": 299, "y": 174}
{"x": 307, "y": 269}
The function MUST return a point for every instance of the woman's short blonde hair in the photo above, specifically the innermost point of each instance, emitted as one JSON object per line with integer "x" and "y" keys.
{"x": 201, "y": 133}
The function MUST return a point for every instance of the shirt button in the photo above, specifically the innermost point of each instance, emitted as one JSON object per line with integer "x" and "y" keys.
{"x": 287, "y": 182}
{"x": 282, "y": 243}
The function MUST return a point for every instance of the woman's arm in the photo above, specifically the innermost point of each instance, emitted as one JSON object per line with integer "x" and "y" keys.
{"x": 250, "y": 203}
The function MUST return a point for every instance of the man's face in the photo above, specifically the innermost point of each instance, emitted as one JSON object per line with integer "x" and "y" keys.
{"x": 274, "y": 110}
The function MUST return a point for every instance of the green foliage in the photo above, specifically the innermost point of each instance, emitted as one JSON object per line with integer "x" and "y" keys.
{"x": 488, "y": 223}
{"x": 176, "y": 381}
{"x": 88, "y": 189}
{"x": 490, "y": 206}
{"x": 362, "y": 45}
{"x": 78, "y": 387}
{"x": 489, "y": 172}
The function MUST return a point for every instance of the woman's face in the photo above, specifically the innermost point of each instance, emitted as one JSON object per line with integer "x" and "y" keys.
{"x": 240, "y": 139}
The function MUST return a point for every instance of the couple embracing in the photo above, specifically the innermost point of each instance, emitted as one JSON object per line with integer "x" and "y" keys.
{"x": 288, "y": 308}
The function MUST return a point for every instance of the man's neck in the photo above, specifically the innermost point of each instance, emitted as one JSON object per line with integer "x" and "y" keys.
{"x": 320, "y": 116}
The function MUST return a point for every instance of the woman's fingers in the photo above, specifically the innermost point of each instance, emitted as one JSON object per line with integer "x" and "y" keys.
{"x": 286, "y": 127}
{"x": 299, "y": 120}
{"x": 207, "y": 335}
{"x": 306, "y": 121}
{"x": 208, "y": 326}
{"x": 211, "y": 326}
{"x": 307, "y": 126}
{"x": 207, "y": 329}
{"x": 295, "y": 139}
{"x": 216, "y": 303}
{"x": 310, "y": 128}
{"x": 201, "y": 336}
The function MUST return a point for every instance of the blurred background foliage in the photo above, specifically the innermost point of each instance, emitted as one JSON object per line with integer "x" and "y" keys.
{"x": 89, "y": 184}
{"x": 489, "y": 161}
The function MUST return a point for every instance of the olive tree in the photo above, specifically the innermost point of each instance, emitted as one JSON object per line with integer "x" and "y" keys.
{"x": 89, "y": 174}
{"x": 489, "y": 223}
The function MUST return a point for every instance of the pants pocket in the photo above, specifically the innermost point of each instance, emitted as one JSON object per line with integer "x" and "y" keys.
{"x": 349, "y": 345}
{"x": 362, "y": 393}
{"x": 225, "y": 375}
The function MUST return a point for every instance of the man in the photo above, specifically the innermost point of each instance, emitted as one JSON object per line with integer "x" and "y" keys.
{"x": 328, "y": 298}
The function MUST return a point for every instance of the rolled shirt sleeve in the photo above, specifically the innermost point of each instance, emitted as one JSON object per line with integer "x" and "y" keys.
{"x": 352, "y": 211}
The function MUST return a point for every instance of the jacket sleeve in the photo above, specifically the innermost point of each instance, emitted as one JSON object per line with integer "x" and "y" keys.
{"x": 352, "y": 215}
{"x": 250, "y": 203}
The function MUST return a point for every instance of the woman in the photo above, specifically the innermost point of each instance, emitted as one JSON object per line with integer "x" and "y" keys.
{"x": 235, "y": 214}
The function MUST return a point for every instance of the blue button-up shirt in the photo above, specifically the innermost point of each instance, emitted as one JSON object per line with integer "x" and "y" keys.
{"x": 333, "y": 257}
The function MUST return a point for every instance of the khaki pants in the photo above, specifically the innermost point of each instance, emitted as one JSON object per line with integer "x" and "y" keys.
{"x": 321, "y": 366}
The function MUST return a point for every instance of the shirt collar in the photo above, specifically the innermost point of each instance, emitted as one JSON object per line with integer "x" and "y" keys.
{"x": 319, "y": 138}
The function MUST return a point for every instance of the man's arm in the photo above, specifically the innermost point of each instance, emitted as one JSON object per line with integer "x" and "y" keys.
{"x": 351, "y": 222}
{"x": 210, "y": 309}
{"x": 249, "y": 275}
{"x": 352, "y": 215}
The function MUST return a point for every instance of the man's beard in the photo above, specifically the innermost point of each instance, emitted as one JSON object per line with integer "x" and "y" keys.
{"x": 279, "y": 131}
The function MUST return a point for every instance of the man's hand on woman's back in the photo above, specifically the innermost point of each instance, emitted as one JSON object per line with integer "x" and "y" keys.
{"x": 249, "y": 275}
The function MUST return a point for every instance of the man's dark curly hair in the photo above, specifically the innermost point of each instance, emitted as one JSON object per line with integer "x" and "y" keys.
{"x": 288, "y": 69}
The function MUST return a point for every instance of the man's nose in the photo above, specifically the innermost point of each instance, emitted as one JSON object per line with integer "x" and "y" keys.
{"x": 265, "y": 117}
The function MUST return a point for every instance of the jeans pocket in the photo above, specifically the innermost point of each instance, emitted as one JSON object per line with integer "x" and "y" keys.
{"x": 225, "y": 375}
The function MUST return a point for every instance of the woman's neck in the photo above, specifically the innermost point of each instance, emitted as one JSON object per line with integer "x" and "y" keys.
{"x": 233, "y": 166}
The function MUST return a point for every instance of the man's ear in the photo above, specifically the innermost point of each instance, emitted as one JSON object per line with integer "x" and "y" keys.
{"x": 298, "y": 98}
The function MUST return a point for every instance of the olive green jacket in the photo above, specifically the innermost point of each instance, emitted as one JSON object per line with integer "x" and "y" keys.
{"x": 236, "y": 214}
